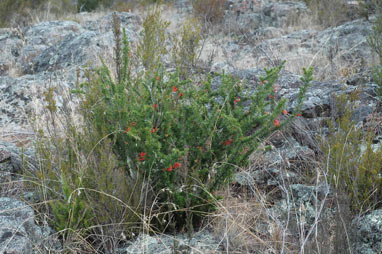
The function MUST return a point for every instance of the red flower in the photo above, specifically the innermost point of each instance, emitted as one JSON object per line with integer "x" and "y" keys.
{"x": 176, "y": 165}
{"x": 236, "y": 100}
{"x": 276, "y": 123}
{"x": 271, "y": 97}
{"x": 155, "y": 106}
{"x": 298, "y": 114}
{"x": 169, "y": 169}
{"x": 227, "y": 142}
{"x": 174, "y": 89}
{"x": 133, "y": 123}
{"x": 285, "y": 112}
{"x": 154, "y": 130}
{"x": 126, "y": 130}
{"x": 157, "y": 77}
{"x": 180, "y": 95}
{"x": 263, "y": 82}
{"x": 142, "y": 156}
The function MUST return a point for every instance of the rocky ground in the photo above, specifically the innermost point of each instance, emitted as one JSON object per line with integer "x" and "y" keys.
{"x": 55, "y": 53}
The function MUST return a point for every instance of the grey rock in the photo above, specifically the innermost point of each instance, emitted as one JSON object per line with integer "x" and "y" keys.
{"x": 368, "y": 238}
{"x": 10, "y": 47}
{"x": 72, "y": 50}
{"x": 14, "y": 155}
{"x": 18, "y": 232}
{"x": 345, "y": 43}
{"x": 302, "y": 208}
{"x": 47, "y": 55}
{"x": 129, "y": 21}
{"x": 283, "y": 14}
{"x": 201, "y": 242}
{"x": 278, "y": 166}
{"x": 4, "y": 68}
{"x": 50, "y": 33}
{"x": 256, "y": 14}
{"x": 317, "y": 102}
{"x": 16, "y": 96}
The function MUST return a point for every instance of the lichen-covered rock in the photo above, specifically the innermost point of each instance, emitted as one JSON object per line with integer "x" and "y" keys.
{"x": 74, "y": 49}
{"x": 368, "y": 233}
{"x": 280, "y": 164}
{"x": 47, "y": 55}
{"x": 301, "y": 208}
{"x": 201, "y": 242}
{"x": 346, "y": 43}
{"x": 18, "y": 232}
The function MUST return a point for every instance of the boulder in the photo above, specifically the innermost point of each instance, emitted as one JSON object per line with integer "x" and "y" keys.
{"x": 201, "y": 242}
{"x": 302, "y": 207}
{"x": 368, "y": 233}
{"x": 49, "y": 54}
{"x": 277, "y": 166}
{"x": 18, "y": 232}
{"x": 346, "y": 43}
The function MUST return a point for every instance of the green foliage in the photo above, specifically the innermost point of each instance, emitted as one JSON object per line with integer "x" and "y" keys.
{"x": 375, "y": 39}
{"x": 209, "y": 11}
{"x": 90, "y": 192}
{"x": 152, "y": 46}
{"x": 377, "y": 78}
{"x": 186, "y": 138}
{"x": 354, "y": 163}
{"x": 186, "y": 46}
{"x": 375, "y": 42}
{"x": 85, "y": 182}
{"x": 173, "y": 139}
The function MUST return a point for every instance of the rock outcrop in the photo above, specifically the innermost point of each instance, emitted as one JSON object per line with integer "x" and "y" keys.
{"x": 368, "y": 231}
{"x": 47, "y": 55}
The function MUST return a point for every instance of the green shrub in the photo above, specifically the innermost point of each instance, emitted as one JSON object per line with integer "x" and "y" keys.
{"x": 375, "y": 42}
{"x": 185, "y": 47}
{"x": 152, "y": 141}
{"x": 375, "y": 39}
{"x": 152, "y": 47}
{"x": 90, "y": 192}
{"x": 354, "y": 164}
{"x": 185, "y": 137}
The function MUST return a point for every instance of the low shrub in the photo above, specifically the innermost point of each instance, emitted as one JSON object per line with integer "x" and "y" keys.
{"x": 186, "y": 47}
{"x": 375, "y": 38}
{"x": 375, "y": 42}
{"x": 354, "y": 161}
{"x": 151, "y": 149}
{"x": 152, "y": 47}
{"x": 186, "y": 138}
